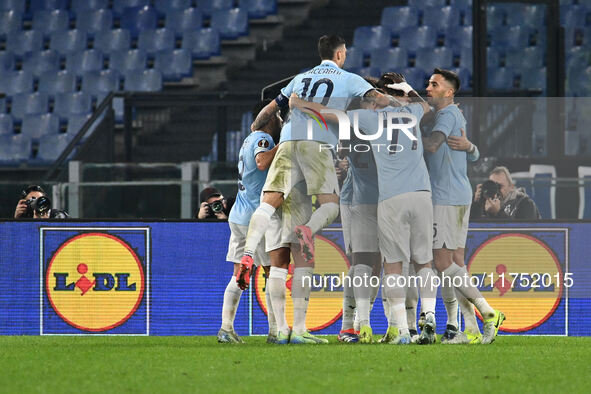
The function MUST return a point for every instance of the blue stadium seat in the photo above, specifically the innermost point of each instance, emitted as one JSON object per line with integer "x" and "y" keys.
{"x": 500, "y": 78}
{"x": 368, "y": 38}
{"x": 75, "y": 123}
{"x": 13, "y": 5}
{"x": 391, "y": 59}
{"x": 40, "y": 62}
{"x": 51, "y": 147}
{"x": 48, "y": 5}
{"x": 181, "y": 21}
{"x": 466, "y": 17}
{"x": 145, "y": 81}
{"x": 119, "y": 6}
{"x": 430, "y": 58}
{"x": 57, "y": 82}
{"x": 202, "y": 43}
{"x": 82, "y": 62}
{"x": 399, "y": 18}
{"x": 467, "y": 58}
{"x": 366, "y": 71}
{"x": 354, "y": 58}
{"x": 461, "y": 4}
{"x": 442, "y": 18}
{"x": 164, "y": 6}
{"x": 152, "y": 41}
{"x": 573, "y": 16}
{"x": 465, "y": 75}
{"x": 21, "y": 42}
{"x": 112, "y": 40}
{"x": 48, "y": 22}
{"x": 531, "y": 16}
{"x": 422, "y": 37}
{"x": 207, "y": 7}
{"x": 130, "y": 60}
{"x": 542, "y": 195}
{"x": 579, "y": 82}
{"x": 533, "y": 78}
{"x": 100, "y": 83}
{"x": 14, "y": 82}
{"x": 36, "y": 126}
{"x": 94, "y": 21}
{"x": 426, "y": 3}
{"x": 231, "y": 23}
{"x": 136, "y": 19}
{"x": 259, "y": 8}
{"x": 530, "y": 57}
{"x": 6, "y": 124}
{"x": 68, "y": 41}
{"x": 88, "y": 5}
{"x": 24, "y": 104}
{"x": 514, "y": 37}
{"x": 15, "y": 149}
{"x": 459, "y": 37}
{"x": 6, "y": 61}
{"x": 77, "y": 103}
{"x": 495, "y": 16}
{"x": 3, "y": 105}
{"x": 416, "y": 77}
{"x": 174, "y": 65}
{"x": 10, "y": 21}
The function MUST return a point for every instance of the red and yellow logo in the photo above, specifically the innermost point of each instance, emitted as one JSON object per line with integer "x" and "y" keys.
{"x": 326, "y": 303}
{"x": 527, "y": 280}
{"x": 95, "y": 282}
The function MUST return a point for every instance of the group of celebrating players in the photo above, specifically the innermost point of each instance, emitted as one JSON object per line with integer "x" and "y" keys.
{"x": 404, "y": 204}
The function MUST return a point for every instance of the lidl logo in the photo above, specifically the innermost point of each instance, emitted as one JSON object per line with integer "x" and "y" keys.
{"x": 326, "y": 301}
{"x": 95, "y": 281}
{"x": 521, "y": 276}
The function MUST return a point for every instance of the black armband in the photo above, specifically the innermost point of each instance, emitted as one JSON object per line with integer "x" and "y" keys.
{"x": 282, "y": 101}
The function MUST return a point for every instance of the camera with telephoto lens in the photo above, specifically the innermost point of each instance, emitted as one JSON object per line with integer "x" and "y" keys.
{"x": 216, "y": 206}
{"x": 37, "y": 205}
{"x": 490, "y": 189}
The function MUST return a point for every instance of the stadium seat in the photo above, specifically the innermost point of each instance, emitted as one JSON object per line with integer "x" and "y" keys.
{"x": 77, "y": 103}
{"x": 51, "y": 147}
{"x": 10, "y": 21}
{"x": 21, "y": 42}
{"x": 465, "y": 75}
{"x": 145, "y": 81}
{"x": 584, "y": 192}
{"x": 461, "y": 4}
{"x": 204, "y": 43}
{"x": 258, "y": 9}
{"x": 94, "y": 21}
{"x": 24, "y": 104}
{"x": 48, "y": 22}
{"x": 390, "y": 59}
{"x": 82, "y": 62}
{"x": 68, "y": 41}
{"x": 366, "y": 71}
{"x": 152, "y": 41}
{"x": 579, "y": 82}
{"x": 398, "y": 18}
{"x": 131, "y": 60}
{"x": 441, "y": 18}
{"x": 53, "y": 82}
{"x": 40, "y": 62}
{"x": 573, "y": 15}
{"x": 430, "y": 58}
{"x": 136, "y": 19}
{"x": 354, "y": 59}
{"x": 495, "y": 16}
{"x": 413, "y": 38}
{"x": 426, "y": 3}
{"x": 3, "y": 105}
{"x": 207, "y": 7}
{"x": 15, "y": 149}
{"x": 514, "y": 37}
{"x": 164, "y": 6}
{"x": 6, "y": 61}
{"x": 174, "y": 65}
{"x": 14, "y": 82}
{"x": 100, "y": 83}
{"x": 368, "y": 38}
{"x": 530, "y": 57}
{"x": 181, "y": 21}
{"x": 416, "y": 77}
{"x": 231, "y": 23}
{"x": 88, "y": 5}
{"x": 119, "y": 6}
{"x": 48, "y": 5}
{"x": 13, "y": 5}
{"x": 6, "y": 124}
{"x": 75, "y": 123}
{"x": 544, "y": 192}
{"x": 531, "y": 16}
{"x": 112, "y": 40}
{"x": 459, "y": 37}
{"x": 533, "y": 78}
{"x": 36, "y": 126}
{"x": 500, "y": 78}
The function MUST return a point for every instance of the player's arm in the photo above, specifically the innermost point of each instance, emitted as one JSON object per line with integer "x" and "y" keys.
{"x": 264, "y": 159}
{"x": 380, "y": 99}
{"x": 310, "y": 107}
{"x": 433, "y": 141}
{"x": 265, "y": 115}
{"x": 463, "y": 144}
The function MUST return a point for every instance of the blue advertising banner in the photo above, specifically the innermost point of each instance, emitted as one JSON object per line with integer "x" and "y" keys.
{"x": 168, "y": 278}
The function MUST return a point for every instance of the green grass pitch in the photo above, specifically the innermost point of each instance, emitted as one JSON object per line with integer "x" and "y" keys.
{"x": 199, "y": 364}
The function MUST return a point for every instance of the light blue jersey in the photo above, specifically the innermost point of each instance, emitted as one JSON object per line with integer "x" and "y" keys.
{"x": 250, "y": 179}
{"x": 346, "y": 195}
{"x": 329, "y": 85}
{"x": 400, "y": 165}
{"x": 448, "y": 167}
{"x": 365, "y": 177}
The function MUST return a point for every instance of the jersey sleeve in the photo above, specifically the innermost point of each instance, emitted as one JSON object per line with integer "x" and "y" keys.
{"x": 288, "y": 90}
{"x": 445, "y": 123}
{"x": 358, "y": 86}
{"x": 366, "y": 120}
{"x": 417, "y": 110}
{"x": 263, "y": 144}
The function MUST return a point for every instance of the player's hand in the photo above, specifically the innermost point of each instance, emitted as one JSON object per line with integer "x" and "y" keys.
{"x": 395, "y": 77}
{"x": 203, "y": 211}
{"x": 295, "y": 101}
{"x": 404, "y": 86}
{"x": 478, "y": 192}
{"x": 459, "y": 143}
{"x": 492, "y": 206}
{"x": 21, "y": 209}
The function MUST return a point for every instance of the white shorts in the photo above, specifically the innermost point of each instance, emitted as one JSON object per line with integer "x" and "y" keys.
{"x": 405, "y": 228}
{"x": 236, "y": 247}
{"x": 297, "y": 161}
{"x": 364, "y": 228}
{"x": 346, "y": 226}
{"x": 295, "y": 210}
{"x": 450, "y": 226}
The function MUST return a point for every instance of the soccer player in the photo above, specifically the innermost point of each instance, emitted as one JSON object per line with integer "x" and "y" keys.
{"x": 256, "y": 154}
{"x": 452, "y": 195}
{"x": 300, "y": 159}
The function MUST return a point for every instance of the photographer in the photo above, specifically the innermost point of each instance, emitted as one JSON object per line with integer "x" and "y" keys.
{"x": 214, "y": 205}
{"x": 35, "y": 204}
{"x": 498, "y": 198}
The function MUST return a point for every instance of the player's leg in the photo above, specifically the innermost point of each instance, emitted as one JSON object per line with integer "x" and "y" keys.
{"x": 394, "y": 288}
{"x": 347, "y": 333}
{"x": 412, "y": 300}
{"x": 471, "y": 328}
{"x": 265, "y": 262}
{"x": 277, "y": 292}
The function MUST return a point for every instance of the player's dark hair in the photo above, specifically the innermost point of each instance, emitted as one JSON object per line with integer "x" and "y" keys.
{"x": 32, "y": 188}
{"x": 387, "y": 79}
{"x": 328, "y": 44}
{"x": 450, "y": 77}
{"x": 258, "y": 107}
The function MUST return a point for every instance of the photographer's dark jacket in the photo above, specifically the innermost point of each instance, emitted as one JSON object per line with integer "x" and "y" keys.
{"x": 517, "y": 205}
